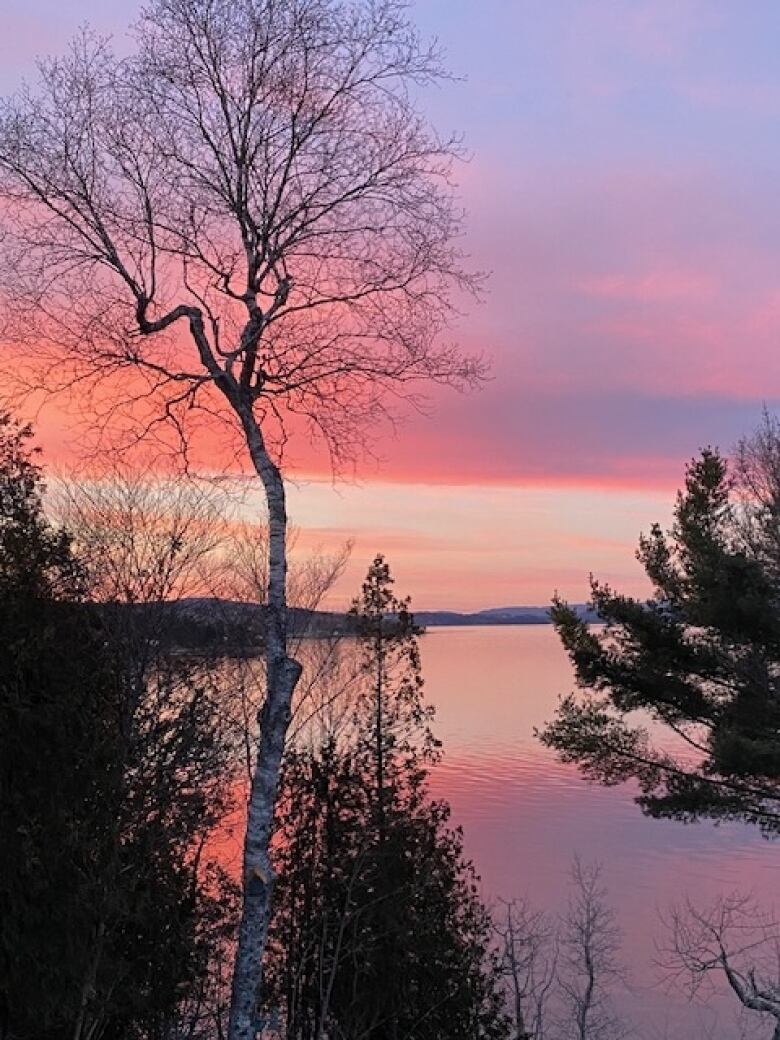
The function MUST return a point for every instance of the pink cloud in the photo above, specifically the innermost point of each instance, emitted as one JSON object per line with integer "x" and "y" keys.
{"x": 654, "y": 286}
{"x": 633, "y": 314}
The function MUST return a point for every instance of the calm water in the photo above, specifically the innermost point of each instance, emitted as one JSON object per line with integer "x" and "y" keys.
{"x": 525, "y": 815}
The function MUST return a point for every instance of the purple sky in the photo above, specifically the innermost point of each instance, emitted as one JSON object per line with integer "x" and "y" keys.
{"x": 624, "y": 192}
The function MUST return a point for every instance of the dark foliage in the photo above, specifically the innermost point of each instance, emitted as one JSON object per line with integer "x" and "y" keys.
{"x": 107, "y": 792}
{"x": 57, "y": 759}
{"x": 701, "y": 659}
{"x": 216, "y": 627}
{"x": 378, "y": 930}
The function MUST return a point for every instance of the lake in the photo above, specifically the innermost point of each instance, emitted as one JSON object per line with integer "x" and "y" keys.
{"x": 525, "y": 815}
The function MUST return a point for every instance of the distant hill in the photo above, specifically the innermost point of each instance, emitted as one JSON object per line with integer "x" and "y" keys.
{"x": 210, "y": 624}
{"x": 235, "y": 627}
{"x": 497, "y": 616}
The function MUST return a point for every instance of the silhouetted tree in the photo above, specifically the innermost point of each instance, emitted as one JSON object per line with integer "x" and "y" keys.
{"x": 561, "y": 972}
{"x": 58, "y": 760}
{"x": 247, "y": 220}
{"x": 588, "y": 965}
{"x": 378, "y": 931}
{"x": 527, "y": 943}
{"x": 111, "y": 780}
{"x": 732, "y": 940}
{"x": 701, "y": 659}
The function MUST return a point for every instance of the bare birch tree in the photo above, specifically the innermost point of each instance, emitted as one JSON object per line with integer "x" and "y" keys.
{"x": 245, "y": 221}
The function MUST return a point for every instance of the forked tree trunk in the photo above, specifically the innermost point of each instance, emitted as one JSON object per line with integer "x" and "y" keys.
{"x": 282, "y": 674}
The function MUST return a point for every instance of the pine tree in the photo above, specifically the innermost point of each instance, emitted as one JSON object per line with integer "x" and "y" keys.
{"x": 379, "y": 930}
{"x": 700, "y": 659}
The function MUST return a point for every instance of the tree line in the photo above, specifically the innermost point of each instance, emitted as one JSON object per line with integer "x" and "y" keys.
{"x": 121, "y": 770}
{"x": 123, "y": 763}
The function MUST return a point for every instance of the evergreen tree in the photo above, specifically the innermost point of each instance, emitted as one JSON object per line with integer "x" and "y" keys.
{"x": 57, "y": 759}
{"x": 105, "y": 792}
{"x": 700, "y": 659}
{"x": 391, "y": 719}
{"x": 379, "y": 931}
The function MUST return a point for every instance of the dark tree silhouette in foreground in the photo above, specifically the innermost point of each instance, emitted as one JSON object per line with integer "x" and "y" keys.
{"x": 378, "y": 929}
{"x": 56, "y": 759}
{"x": 701, "y": 659}
{"x": 113, "y": 765}
{"x": 246, "y": 222}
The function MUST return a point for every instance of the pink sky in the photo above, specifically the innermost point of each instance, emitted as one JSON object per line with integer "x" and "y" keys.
{"x": 623, "y": 195}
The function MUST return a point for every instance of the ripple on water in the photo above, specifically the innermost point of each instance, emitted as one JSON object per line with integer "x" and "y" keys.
{"x": 525, "y": 814}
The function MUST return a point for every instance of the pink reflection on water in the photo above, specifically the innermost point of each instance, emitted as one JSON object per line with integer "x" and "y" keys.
{"x": 525, "y": 815}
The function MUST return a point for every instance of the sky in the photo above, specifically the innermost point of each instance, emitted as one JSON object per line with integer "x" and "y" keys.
{"x": 622, "y": 192}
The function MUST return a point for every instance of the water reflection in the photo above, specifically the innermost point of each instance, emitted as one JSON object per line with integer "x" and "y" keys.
{"x": 525, "y": 814}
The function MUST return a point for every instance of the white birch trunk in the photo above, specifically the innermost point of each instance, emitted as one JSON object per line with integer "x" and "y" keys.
{"x": 282, "y": 674}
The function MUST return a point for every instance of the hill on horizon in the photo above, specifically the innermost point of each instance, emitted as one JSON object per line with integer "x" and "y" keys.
{"x": 523, "y": 615}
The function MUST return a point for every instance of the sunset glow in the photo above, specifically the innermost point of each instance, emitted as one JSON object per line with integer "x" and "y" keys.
{"x": 389, "y": 519}
{"x": 622, "y": 196}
